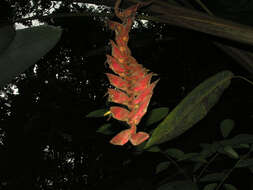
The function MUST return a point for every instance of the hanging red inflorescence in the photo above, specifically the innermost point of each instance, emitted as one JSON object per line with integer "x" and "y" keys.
{"x": 132, "y": 81}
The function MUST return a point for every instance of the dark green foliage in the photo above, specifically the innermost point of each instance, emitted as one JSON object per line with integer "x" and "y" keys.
{"x": 192, "y": 109}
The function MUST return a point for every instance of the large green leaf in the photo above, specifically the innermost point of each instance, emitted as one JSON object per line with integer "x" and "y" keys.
{"x": 192, "y": 109}
{"x": 156, "y": 115}
{"x": 27, "y": 47}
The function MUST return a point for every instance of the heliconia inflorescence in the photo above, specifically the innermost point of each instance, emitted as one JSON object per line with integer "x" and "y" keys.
{"x": 132, "y": 81}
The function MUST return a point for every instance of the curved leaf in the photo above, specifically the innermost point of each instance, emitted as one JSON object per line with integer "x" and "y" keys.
{"x": 28, "y": 46}
{"x": 106, "y": 129}
{"x": 175, "y": 153}
{"x": 245, "y": 163}
{"x": 162, "y": 166}
{"x": 192, "y": 109}
{"x": 229, "y": 151}
{"x": 97, "y": 113}
{"x": 154, "y": 149}
{"x": 156, "y": 115}
{"x": 226, "y": 127}
{"x": 188, "y": 156}
{"x": 229, "y": 187}
{"x": 242, "y": 146}
{"x": 213, "y": 177}
{"x": 238, "y": 139}
{"x": 211, "y": 186}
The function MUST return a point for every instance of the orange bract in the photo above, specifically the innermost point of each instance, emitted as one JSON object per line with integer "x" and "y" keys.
{"x": 133, "y": 82}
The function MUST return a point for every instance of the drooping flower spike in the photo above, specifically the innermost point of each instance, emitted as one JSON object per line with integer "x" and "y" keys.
{"x": 131, "y": 80}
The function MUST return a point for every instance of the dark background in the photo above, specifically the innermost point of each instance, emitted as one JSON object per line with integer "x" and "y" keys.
{"x": 48, "y": 143}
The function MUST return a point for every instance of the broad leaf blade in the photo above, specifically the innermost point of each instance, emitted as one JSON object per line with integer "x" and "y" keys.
{"x": 28, "y": 46}
{"x": 156, "y": 115}
{"x": 97, "y": 113}
{"x": 192, "y": 109}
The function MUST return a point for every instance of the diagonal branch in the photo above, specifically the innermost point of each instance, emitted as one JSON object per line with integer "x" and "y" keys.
{"x": 190, "y": 19}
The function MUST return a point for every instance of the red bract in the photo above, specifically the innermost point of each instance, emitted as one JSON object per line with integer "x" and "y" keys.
{"x": 124, "y": 136}
{"x": 133, "y": 82}
{"x": 117, "y": 81}
{"x": 146, "y": 92}
{"x": 142, "y": 84}
{"x": 117, "y": 52}
{"x": 115, "y": 65}
{"x": 139, "y": 138}
{"x": 119, "y": 113}
{"x": 118, "y": 96}
{"x": 137, "y": 113}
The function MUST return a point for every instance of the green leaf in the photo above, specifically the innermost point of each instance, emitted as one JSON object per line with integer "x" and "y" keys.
{"x": 241, "y": 146}
{"x": 245, "y": 163}
{"x": 156, "y": 115}
{"x": 191, "y": 109}
{"x": 226, "y": 127}
{"x": 208, "y": 149}
{"x": 154, "y": 149}
{"x": 162, "y": 166}
{"x": 188, "y": 156}
{"x": 106, "y": 129}
{"x": 229, "y": 151}
{"x": 179, "y": 185}
{"x": 174, "y": 153}
{"x": 229, "y": 187}
{"x": 199, "y": 159}
{"x": 213, "y": 177}
{"x": 211, "y": 186}
{"x": 97, "y": 113}
{"x": 27, "y": 47}
{"x": 239, "y": 139}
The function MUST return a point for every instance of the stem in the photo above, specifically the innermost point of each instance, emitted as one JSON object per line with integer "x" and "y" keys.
{"x": 206, "y": 166}
{"x": 231, "y": 170}
{"x": 204, "y": 7}
{"x": 181, "y": 170}
{"x": 243, "y": 78}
